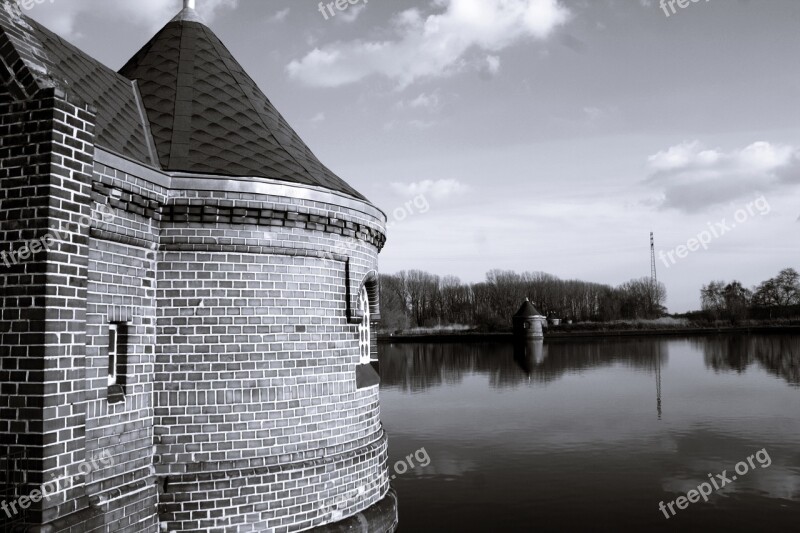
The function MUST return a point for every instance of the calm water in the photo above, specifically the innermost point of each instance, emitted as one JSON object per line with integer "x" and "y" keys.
{"x": 570, "y": 437}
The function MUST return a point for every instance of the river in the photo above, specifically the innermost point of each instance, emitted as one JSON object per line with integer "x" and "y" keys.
{"x": 596, "y": 435}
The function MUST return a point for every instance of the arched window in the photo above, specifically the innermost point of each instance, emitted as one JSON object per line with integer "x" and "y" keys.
{"x": 364, "y": 339}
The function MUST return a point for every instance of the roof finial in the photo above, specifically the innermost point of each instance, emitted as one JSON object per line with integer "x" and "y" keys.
{"x": 188, "y": 13}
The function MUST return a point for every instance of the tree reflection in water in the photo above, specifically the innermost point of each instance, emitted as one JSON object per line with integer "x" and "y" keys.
{"x": 778, "y": 354}
{"x": 417, "y": 367}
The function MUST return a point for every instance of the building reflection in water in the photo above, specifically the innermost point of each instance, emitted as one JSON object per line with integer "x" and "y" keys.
{"x": 418, "y": 367}
{"x": 529, "y": 354}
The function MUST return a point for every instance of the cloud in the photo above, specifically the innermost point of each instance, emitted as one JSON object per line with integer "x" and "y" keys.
{"x": 694, "y": 178}
{"x": 63, "y": 16}
{"x": 429, "y": 102}
{"x": 434, "y": 45}
{"x": 281, "y": 15}
{"x": 422, "y": 124}
{"x": 439, "y": 189}
{"x": 490, "y": 66}
{"x": 417, "y": 124}
{"x": 319, "y": 117}
{"x": 594, "y": 113}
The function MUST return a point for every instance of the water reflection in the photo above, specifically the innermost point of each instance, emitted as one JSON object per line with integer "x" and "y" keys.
{"x": 778, "y": 355}
{"x": 563, "y": 436}
{"x": 418, "y": 367}
{"x": 705, "y": 451}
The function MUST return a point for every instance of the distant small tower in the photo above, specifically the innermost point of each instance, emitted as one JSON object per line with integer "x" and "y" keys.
{"x": 528, "y": 322}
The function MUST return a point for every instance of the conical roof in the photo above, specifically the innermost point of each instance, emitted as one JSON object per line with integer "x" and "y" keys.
{"x": 208, "y": 116}
{"x": 527, "y": 310}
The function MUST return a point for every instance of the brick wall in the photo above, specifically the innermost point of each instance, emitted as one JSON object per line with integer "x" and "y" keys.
{"x": 240, "y": 350}
{"x": 255, "y": 367}
{"x": 45, "y": 169}
{"x": 53, "y": 324}
{"x": 240, "y": 342}
{"x": 121, "y": 290}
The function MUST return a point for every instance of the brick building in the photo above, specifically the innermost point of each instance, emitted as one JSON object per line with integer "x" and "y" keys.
{"x": 188, "y": 300}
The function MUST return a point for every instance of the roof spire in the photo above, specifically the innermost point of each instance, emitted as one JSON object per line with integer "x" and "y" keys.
{"x": 188, "y": 14}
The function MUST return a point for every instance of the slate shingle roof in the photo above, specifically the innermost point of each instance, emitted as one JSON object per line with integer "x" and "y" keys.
{"x": 120, "y": 124}
{"x": 192, "y": 108}
{"x": 527, "y": 310}
{"x": 208, "y": 116}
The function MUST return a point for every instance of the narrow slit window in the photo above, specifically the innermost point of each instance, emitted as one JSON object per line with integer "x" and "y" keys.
{"x": 113, "y": 354}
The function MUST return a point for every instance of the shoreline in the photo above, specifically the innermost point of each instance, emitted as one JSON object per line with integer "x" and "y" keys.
{"x": 565, "y": 335}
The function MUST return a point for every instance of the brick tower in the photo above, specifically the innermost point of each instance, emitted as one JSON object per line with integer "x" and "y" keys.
{"x": 189, "y": 299}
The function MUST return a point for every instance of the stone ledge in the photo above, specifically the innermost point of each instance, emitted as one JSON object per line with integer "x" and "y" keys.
{"x": 252, "y": 249}
{"x": 381, "y": 517}
{"x": 311, "y": 459}
{"x": 93, "y": 516}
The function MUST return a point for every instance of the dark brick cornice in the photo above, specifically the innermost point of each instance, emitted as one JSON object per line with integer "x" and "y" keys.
{"x": 220, "y": 214}
{"x": 215, "y": 213}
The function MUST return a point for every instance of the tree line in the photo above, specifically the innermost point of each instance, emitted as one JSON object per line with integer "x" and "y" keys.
{"x": 775, "y": 298}
{"x": 419, "y": 299}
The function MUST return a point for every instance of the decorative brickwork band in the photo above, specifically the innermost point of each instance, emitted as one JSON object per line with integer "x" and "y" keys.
{"x": 220, "y": 214}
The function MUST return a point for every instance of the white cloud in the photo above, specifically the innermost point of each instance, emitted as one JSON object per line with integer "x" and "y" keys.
{"x": 417, "y": 124}
{"x": 430, "y": 102}
{"x": 490, "y": 66}
{"x": 594, "y": 113}
{"x": 434, "y": 45}
{"x": 421, "y": 124}
{"x": 439, "y": 189}
{"x": 281, "y": 15}
{"x": 694, "y": 177}
{"x": 62, "y": 16}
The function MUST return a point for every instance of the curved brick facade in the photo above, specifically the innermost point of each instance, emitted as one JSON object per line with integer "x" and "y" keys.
{"x": 240, "y": 400}
{"x": 255, "y": 381}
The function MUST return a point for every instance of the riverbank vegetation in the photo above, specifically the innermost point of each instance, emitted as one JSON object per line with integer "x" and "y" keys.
{"x": 417, "y": 302}
{"x": 417, "y": 299}
{"x": 775, "y": 300}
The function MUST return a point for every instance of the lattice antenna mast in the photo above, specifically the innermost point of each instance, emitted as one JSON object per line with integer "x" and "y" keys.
{"x": 653, "y": 289}
{"x": 653, "y": 273}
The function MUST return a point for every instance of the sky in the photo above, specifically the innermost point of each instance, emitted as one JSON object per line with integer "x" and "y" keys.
{"x": 529, "y": 135}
